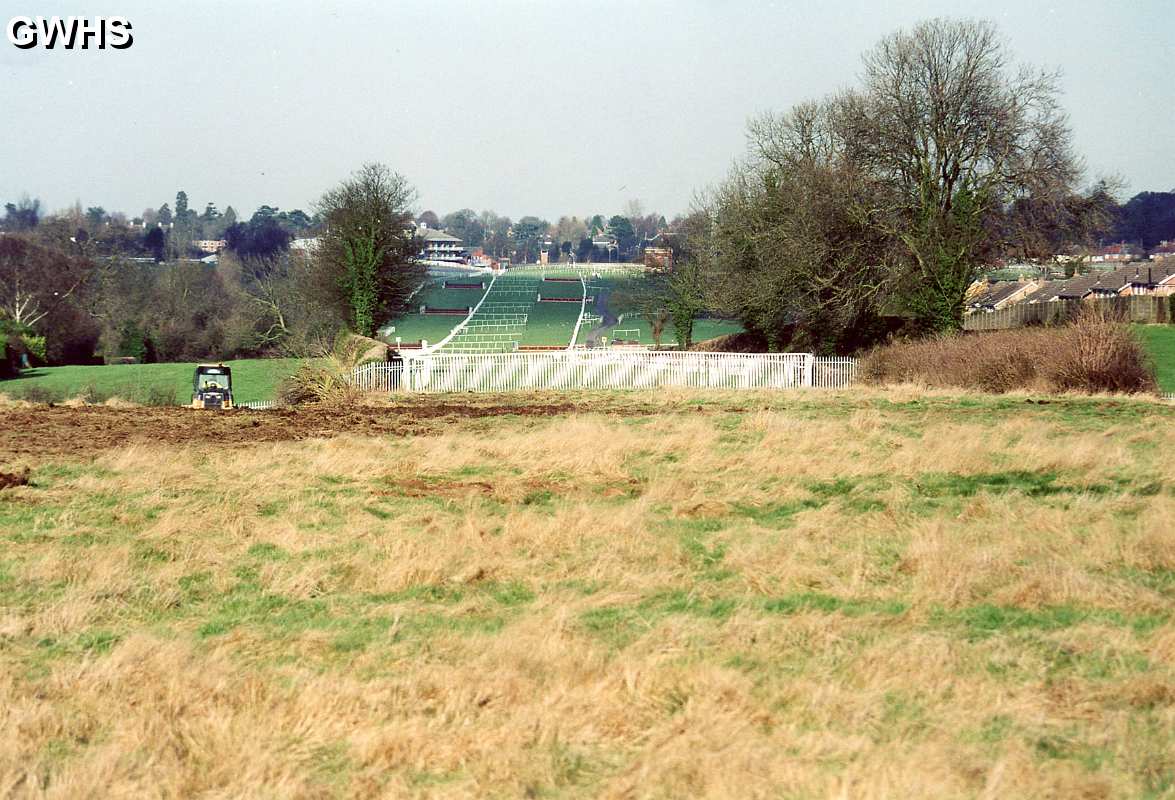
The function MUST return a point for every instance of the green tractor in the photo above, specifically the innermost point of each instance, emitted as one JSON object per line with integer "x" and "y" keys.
{"x": 212, "y": 386}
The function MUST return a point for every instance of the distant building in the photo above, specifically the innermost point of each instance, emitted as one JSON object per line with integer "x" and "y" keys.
{"x": 1115, "y": 253}
{"x": 209, "y": 245}
{"x": 440, "y": 246}
{"x": 993, "y": 296}
{"x": 1128, "y": 280}
{"x": 307, "y": 245}
{"x": 659, "y": 258}
{"x": 1163, "y": 251}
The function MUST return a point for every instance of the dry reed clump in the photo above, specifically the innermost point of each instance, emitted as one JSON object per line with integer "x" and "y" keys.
{"x": 329, "y": 378}
{"x": 1094, "y": 354}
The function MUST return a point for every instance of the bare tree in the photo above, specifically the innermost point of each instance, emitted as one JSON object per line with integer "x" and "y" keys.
{"x": 889, "y": 199}
{"x": 34, "y": 280}
{"x": 947, "y": 120}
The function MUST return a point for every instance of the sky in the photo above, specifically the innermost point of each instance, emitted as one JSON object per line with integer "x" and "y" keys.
{"x": 544, "y": 108}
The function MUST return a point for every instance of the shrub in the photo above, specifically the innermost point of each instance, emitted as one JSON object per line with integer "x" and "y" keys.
{"x": 1094, "y": 354}
{"x": 41, "y": 394}
{"x": 1101, "y": 355}
{"x": 328, "y": 379}
{"x": 159, "y": 396}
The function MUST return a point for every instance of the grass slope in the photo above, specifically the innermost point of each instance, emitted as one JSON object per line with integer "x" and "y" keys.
{"x": 253, "y": 379}
{"x": 1160, "y": 342}
{"x": 649, "y": 595}
{"x": 703, "y": 329}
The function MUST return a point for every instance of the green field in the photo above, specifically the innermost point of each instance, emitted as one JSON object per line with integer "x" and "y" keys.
{"x": 550, "y": 324}
{"x": 1160, "y": 343}
{"x": 703, "y": 329}
{"x": 157, "y": 384}
{"x": 415, "y": 326}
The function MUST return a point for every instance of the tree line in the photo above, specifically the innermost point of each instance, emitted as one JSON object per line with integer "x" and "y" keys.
{"x": 848, "y": 218}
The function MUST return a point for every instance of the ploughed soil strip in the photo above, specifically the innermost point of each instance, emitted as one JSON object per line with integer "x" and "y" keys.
{"x": 31, "y": 433}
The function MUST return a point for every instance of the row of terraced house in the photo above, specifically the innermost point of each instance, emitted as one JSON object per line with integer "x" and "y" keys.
{"x": 1154, "y": 276}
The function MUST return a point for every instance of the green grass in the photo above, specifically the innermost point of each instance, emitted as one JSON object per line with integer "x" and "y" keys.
{"x": 1159, "y": 341}
{"x": 550, "y": 324}
{"x": 703, "y": 329}
{"x": 414, "y": 327}
{"x": 253, "y": 379}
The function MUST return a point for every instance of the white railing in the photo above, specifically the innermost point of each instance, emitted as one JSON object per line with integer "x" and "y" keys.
{"x": 259, "y": 405}
{"x": 589, "y": 369}
{"x": 579, "y": 320}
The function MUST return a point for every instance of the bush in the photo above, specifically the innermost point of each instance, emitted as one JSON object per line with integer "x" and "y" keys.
{"x": 160, "y": 396}
{"x": 328, "y": 379}
{"x": 1094, "y": 354}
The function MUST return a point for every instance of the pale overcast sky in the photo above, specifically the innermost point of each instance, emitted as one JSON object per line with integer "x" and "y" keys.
{"x": 525, "y": 108}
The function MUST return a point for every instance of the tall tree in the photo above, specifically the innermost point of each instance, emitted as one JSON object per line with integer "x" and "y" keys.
{"x": 95, "y": 216}
{"x": 959, "y": 134}
{"x": 260, "y": 238}
{"x": 622, "y": 231}
{"x": 529, "y": 233}
{"x": 35, "y": 280}
{"x": 889, "y": 199}
{"x": 466, "y": 226}
{"x": 368, "y": 250}
{"x": 22, "y": 215}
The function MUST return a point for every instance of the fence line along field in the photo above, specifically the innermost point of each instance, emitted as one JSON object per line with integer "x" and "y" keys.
{"x": 670, "y": 594}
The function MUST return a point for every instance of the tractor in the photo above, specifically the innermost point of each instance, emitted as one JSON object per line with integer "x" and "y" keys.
{"x": 212, "y": 386}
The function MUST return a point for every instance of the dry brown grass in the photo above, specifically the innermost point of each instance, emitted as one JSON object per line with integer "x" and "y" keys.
{"x": 906, "y": 595}
{"x": 1094, "y": 354}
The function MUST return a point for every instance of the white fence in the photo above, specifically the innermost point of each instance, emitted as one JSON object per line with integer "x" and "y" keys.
{"x": 588, "y": 369}
{"x": 260, "y": 405}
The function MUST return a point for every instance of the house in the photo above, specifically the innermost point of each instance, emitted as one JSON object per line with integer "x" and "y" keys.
{"x": 1164, "y": 250}
{"x": 1046, "y": 291}
{"x": 1125, "y": 281}
{"x": 440, "y": 246}
{"x": 1115, "y": 253}
{"x": 1151, "y": 279}
{"x": 307, "y": 245}
{"x": 605, "y": 243}
{"x": 659, "y": 258}
{"x": 998, "y": 294}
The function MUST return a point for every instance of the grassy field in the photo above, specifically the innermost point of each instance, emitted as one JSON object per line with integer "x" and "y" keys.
{"x": 253, "y": 379}
{"x": 551, "y": 323}
{"x": 703, "y": 329}
{"x": 805, "y": 595}
{"x": 433, "y": 328}
{"x": 1160, "y": 342}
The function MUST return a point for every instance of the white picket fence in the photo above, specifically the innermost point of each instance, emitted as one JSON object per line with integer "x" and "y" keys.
{"x": 603, "y": 369}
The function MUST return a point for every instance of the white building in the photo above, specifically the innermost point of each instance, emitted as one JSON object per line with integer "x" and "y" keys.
{"x": 440, "y": 246}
